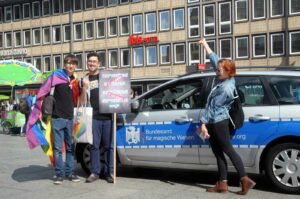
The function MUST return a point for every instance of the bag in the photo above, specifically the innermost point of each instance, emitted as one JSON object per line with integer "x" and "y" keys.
{"x": 236, "y": 113}
{"x": 48, "y": 104}
{"x": 82, "y": 127}
{"x": 23, "y": 106}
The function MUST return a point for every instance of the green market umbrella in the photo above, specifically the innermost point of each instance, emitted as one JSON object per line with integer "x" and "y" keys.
{"x": 13, "y": 72}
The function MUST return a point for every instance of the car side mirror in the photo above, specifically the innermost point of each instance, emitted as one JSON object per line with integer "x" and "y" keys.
{"x": 135, "y": 104}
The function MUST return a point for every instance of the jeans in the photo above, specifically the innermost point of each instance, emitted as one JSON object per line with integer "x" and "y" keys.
{"x": 102, "y": 136}
{"x": 62, "y": 131}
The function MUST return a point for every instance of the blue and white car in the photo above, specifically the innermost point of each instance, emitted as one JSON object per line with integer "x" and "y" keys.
{"x": 161, "y": 131}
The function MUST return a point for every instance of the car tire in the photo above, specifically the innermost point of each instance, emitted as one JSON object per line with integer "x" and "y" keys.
{"x": 283, "y": 167}
{"x": 84, "y": 157}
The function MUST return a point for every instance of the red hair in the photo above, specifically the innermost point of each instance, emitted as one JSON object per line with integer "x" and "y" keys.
{"x": 228, "y": 66}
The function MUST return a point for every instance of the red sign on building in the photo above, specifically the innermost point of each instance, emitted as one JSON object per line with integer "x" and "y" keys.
{"x": 137, "y": 40}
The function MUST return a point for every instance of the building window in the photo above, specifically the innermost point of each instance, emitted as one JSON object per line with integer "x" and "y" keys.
{"x": 1, "y": 14}
{"x": 77, "y": 5}
{"x": 124, "y": 25}
{"x": 100, "y": 28}
{"x": 124, "y": 1}
{"x": 89, "y": 30}
{"x": 294, "y": 7}
{"x": 47, "y": 63}
{"x": 1, "y": 40}
{"x": 112, "y": 2}
{"x": 77, "y": 31}
{"x": 241, "y": 47}
{"x": 194, "y": 53}
{"x": 36, "y": 9}
{"x": 88, "y": 4}
{"x": 151, "y": 22}
{"x": 138, "y": 56}
{"x": 102, "y": 55}
{"x": 113, "y": 58}
{"x": 259, "y": 46}
{"x": 209, "y": 19}
{"x": 258, "y": 9}
{"x": 56, "y": 7}
{"x": 179, "y": 53}
{"x": 100, "y": 3}
{"x": 125, "y": 57}
{"x": 277, "y": 8}
{"x": 7, "y": 13}
{"x": 26, "y": 10}
{"x": 151, "y": 55}
{"x": 67, "y": 33}
{"x": 212, "y": 45}
{"x": 112, "y": 27}
{"x": 17, "y": 12}
{"x": 178, "y": 19}
{"x": 36, "y": 36}
{"x": 56, "y": 34}
{"x": 67, "y": 5}
{"x": 225, "y": 48}
{"x": 294, "y": 43}
{"x": 193, "y": 1}
{"x": 193, "y": 22}
{"x": 137, "y": 24}
{"x": 164, "y": 19}
{"x": 27, "y": 37}
{"x": 46, "y": 35}
{"x": 8, "y": 40}
{"x": 57, "y": 62}
{"x": 27, "y": 60}
{"x": 46, "y": 7}
{"x": 17, "y": 39}
{"x": 241, "y": 10}
{"x": 277, "y": 44}
{"x": 37, "y": 62}
{"x": 165, "y": 54}
{"x": 80, "y": 61}
{"x": 225, "y": 18}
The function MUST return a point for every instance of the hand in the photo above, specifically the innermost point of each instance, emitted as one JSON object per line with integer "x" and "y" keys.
{"x": 202, "y": 41}
{"x": 204, "y": 132}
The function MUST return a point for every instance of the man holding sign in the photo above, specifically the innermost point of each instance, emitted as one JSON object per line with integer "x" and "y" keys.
{"x": 102, "y": 125}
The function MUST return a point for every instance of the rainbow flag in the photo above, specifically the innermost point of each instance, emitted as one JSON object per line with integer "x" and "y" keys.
{"x": 38, "y": 133}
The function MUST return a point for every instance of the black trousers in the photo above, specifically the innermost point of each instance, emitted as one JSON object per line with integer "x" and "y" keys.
{"x": 221, "y": 144}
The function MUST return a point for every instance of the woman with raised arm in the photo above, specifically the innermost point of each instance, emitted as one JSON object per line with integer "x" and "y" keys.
{"x": 215, "y": 123}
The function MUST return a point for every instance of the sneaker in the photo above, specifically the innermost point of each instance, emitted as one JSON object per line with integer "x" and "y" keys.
{"x": 109, "y": 179}
{"x": 73, "y": 178}
{"x": 57, "y": 180}
{"x": 93, "y": 177}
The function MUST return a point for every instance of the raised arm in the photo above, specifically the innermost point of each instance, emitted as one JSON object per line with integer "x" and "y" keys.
{"x": 214, "y": 58}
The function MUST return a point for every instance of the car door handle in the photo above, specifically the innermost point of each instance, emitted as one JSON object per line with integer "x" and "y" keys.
{"x": 258, "y": 117}
{"x": 183, "y": 120}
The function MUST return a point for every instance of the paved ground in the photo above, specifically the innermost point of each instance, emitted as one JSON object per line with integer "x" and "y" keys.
{"x": 26, "y": 173}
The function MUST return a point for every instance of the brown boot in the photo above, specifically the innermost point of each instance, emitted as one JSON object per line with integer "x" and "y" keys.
{"x": 220, "y": 187}
{"x": 246, "y": 184}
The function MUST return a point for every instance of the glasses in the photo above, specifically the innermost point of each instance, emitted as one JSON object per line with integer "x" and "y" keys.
{"x": 93, "y": 61}
{"x": 71, "y": 63}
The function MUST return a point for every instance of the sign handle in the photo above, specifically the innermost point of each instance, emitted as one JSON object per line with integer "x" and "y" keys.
{"x": 115, "y": 144}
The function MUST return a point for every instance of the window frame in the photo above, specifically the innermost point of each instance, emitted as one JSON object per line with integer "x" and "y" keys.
{"x": 47, "y": 28}
{"x": 74, "y": 5}
{"x": 24, "y": 37}
{"x": 34, "y": 30}
{"x": 146, "y": 22}
{"x": 237, "y": 47}
{"x": 226, "y": 22}
{"x": 253, "y": 46}
{"x": 59, "y": 8}
{"x": 85, "y": 30}
{"x": 220, "y": 48}
{"x": 6, "y": 12}
{"x": 109, "y": 58}
{"x": 174, "y": 18}
{"x": 102, "y": 64}
{"x": 134, "y": 53}
{"x": 121, "y": 25}
{"x": 14, "y": 12}
{"x": 253, "y": 10}
{"x": 121, "y": 57}
{"x": 147, "y": 55}
{"x": 205, "y": 25}
{"x": 80, "y": 63}
{"x": 214, "y": 49}
{"x": 14, "y": 39}
{"x": 29, "y": 10}
{"x": 34, "y": 62}
{"x": 85, "y": 3}
{"x": 247, "y": 10}
{"x": 108, "y": 27}
{"x": 290, "y": 9}
{"x": 75, "y": 38}
{"x": 44, "y": 63}
{"x": 133, "y": 23}
{"x": 193, "y": 26}
{"x": 97, "y": 32}
{"x": 271, "y": 44}
{"x": 191, "y": 62}
{"x": 64, "y": 33}
{"x": 33, "y": 10}
{"x": 282, "y": 9}
{"x": 54, "y": 62}
{"x": 53, "y": 34}
{"x": 175, "y": 50}
{"x": 43, "y": 8}
{"x": 160, "y": 20}
{"x": 63, "y": 6}
{"x": 160, "y": 54}
{"x": 290, "y": 42}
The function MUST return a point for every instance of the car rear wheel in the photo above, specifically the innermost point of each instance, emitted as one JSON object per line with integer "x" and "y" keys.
{"x": 283, "y": 167}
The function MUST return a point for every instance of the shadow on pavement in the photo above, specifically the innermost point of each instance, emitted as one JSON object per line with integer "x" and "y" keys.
{"x": 32, "y": 172}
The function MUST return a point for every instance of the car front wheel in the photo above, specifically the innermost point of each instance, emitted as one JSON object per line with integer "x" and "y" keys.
{"x": 283, "y": 167}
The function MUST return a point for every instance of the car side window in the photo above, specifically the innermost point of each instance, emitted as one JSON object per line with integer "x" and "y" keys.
{"x": 251, "y": 91}
{"x": 180, "y": 95}
{"x": 286, "y": 89}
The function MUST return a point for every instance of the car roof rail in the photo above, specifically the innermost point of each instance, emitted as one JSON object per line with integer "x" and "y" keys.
{"x": 282, "y": 68}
